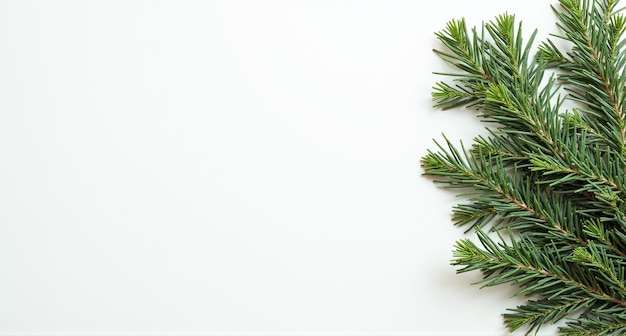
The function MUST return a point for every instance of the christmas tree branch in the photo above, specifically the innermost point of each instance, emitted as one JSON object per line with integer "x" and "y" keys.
{"x": 596, "y": 67}
{"x": 554, "y": 180}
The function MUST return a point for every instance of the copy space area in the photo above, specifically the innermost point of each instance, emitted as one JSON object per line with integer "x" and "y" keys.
{"x": 236, "y": 166}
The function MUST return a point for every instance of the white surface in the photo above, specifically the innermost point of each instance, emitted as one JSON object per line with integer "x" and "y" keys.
{"x": 231, "y": 166}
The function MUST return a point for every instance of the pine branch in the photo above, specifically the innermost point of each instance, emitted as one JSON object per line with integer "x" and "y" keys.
{"x": 602, "y": 322}
{"x": 595, "y": 67}
{"x": 496, "y": 191}
{"x": 533, "y": 269}
{"x": 552, "y": 181}
{"x": 539, "y": 312}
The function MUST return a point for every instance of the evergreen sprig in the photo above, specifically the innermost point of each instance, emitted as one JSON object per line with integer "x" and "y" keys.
{"x": 545, "y": 188}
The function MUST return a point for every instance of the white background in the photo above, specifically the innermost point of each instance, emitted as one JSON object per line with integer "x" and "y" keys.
{"x": 232, "y": 167}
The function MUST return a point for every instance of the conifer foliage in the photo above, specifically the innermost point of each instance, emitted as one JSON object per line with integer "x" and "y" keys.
{"x": 544, "y": 190}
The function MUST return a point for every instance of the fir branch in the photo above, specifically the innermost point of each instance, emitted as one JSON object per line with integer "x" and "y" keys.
{"x": 524, "y": 264}
{"x": 601, "y": 324}
{"x": 553, "y": 180}
{"x": 539, "y": 312}
{"x": 596, "y": 65}
{"x": 514, "y": 199}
